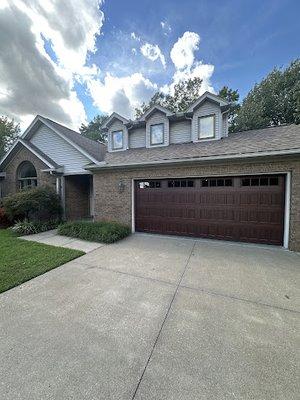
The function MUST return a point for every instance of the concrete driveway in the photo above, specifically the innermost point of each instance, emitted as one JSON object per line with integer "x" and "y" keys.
{"x": 157, "y": 318}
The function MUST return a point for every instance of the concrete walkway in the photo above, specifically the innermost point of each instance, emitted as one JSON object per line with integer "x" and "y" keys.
{"x": 156, "y": 318}
{"x": 52, "y": 237}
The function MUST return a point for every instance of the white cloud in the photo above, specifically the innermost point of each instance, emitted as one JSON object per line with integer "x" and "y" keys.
{"x": 153, "y": 53}
{"x": 121, "y": 95}
{"x": 134, "y": 36}
{"x": 166, "y": 27}
{"x": 31, "y": 83}
{"x": 182, "y": 53}
{"x": 134, "y": 51}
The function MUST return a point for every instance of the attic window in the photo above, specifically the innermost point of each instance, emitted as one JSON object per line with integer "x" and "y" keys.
{"x": 156, "y": 134}
{"x": 206, "y": 127}
{"x": 117, "y": 140}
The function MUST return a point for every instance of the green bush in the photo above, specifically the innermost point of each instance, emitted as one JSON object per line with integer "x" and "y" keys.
{"x": 26, "y": 227}
{"x": 104, "y": 232}
{"x": 35, "y": 204}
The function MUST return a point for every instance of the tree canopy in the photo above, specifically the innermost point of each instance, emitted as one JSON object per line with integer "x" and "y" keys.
{"x": 184, "y": 94}
{"x": 232, "y": 96}
{"x": 93, "y": 130}
{"x": 9, "y": 131}
{"x": 273, "y": 101}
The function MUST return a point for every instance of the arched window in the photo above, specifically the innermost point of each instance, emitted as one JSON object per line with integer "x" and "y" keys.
{"x": 27, "y": 176}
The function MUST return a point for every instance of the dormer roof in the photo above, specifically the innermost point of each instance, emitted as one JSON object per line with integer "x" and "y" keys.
{"x": 111, "y": 119}
{"x": 152, "y": 109}
{"x": 204, "y": 97}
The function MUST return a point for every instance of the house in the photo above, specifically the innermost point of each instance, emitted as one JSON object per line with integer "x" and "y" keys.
{"x": 172, "y": 173}
{"x": 50, "y": 154}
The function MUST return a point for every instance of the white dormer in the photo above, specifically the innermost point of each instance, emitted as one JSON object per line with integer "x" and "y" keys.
{"x": 157, "y": 126}
{"x": 117, "y": 132}
{"x": 209, "y": 121}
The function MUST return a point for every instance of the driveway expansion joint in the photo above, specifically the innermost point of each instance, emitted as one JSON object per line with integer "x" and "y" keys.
{"x": 228, "y": 296}
{"x": 163, "y": 322}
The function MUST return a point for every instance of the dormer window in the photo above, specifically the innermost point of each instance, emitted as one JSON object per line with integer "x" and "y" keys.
{"x": 156, "y": 134}
{"x": 206, "y": 127}
{"x": 117, "y": 140}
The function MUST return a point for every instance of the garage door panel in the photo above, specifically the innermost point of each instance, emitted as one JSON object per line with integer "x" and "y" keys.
{"x": 239, "y": 212}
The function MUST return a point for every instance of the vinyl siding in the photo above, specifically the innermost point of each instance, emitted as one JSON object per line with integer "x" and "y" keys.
{"x": 180, "y": 132}
{"x": 59, "y": 150}
{"x": 207, "y": 108}
{"x": 137, "y": 138}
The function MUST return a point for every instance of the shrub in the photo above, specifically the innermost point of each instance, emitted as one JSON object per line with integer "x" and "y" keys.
{"x": 104, "y": 232}
{"x": 4, "y": 221}
{"x": 26, "y": 227}
{"x": 41, "y": 203}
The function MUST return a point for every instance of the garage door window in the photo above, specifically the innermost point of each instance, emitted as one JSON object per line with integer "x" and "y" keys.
{"x": 260, "y": 181}
{"x": 218, "y": 182}
{"x": 149, "y": 185}
{"x": 180, "y": 183}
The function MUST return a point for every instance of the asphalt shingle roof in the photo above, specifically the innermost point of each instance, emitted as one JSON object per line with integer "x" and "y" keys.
{"x": 279, "y": 138}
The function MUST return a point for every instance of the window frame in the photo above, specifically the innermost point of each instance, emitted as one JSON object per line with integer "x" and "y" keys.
{"x": 112, "y": 139}
{"x": 214, "y": 127}
{"x": 26, "y": 181}
{"x": 163, "y": 134}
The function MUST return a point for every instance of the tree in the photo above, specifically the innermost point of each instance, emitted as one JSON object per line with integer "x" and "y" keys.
{"x": 273, "y": 101}
{"x": 184, "y": 94}
{"x": 9, "y": 131}
{"x": 232, "y": 96}
{"x": 93, "y": 130}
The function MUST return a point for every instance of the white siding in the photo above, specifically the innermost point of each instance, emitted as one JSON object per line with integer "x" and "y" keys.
{"x": 117, "y": 125}
{"x": 207, "y": 108}
{"x": 157, "y": 118}
{"x": 225, "y": 125}
{"x": 137, "y": 138}
{"x": 59, "y": 150}
{"x": 180, "y": 132}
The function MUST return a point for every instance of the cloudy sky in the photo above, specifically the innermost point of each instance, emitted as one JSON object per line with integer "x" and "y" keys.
{"x": 72, "y": 59}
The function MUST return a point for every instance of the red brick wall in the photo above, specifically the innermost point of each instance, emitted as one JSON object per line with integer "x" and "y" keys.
{"x": 10, "y": 183}
{"x": 77, "y": 197}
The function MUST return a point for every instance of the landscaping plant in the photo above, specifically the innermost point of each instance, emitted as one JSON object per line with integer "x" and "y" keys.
{"x": 34, "y": 204}
{"x": 104, "y": 232}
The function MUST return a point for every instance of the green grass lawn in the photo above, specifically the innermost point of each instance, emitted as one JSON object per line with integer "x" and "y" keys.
{"x": 21, "y": 260}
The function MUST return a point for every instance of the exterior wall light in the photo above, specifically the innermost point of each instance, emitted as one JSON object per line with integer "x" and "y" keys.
{"x": 121, "y": 186}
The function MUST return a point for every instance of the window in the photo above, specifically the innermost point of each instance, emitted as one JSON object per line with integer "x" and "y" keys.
{"x": 117, "y": 140}
{"x": 260, "y": 181}
{"x": 180, "y": 183}
{"x": 27, "y": 176}
{"x": 150, "y": 185}
{"x": 219, "y": 182}
{"x": 156, "y": 134}
{"x": 206, "y": 127}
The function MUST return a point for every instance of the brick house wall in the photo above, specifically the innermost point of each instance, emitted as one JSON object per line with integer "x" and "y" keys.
{"x": 77, "y": 196}
{"x": 10, "y": 184}
{"x": 110, "y": 204}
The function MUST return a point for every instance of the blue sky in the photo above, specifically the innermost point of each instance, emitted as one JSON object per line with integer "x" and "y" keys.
{"x": 113, "y": 55}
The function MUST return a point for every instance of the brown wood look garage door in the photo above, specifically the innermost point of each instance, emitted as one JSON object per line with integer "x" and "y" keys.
{"x": 246, "y": 209}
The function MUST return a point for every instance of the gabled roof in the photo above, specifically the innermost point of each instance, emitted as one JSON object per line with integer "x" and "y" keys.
{"x": 274, "y": 141}
{"x": 29, "y": 146}
{"x": 152, "y": 109}
{"x": 93, "y": 150}
{"x": 112, "y": 117}
{"x": 207, "y": 96}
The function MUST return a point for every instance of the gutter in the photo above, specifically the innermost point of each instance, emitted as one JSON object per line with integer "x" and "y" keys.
{"x": 204, "y": 159}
